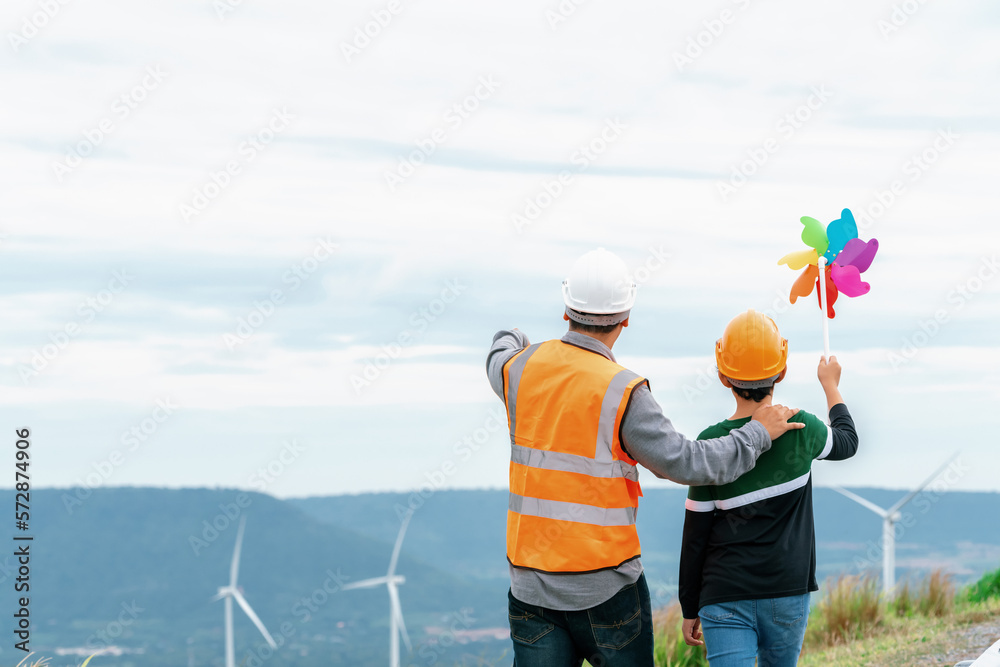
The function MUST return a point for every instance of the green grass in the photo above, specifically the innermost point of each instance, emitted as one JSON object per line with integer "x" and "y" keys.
{"x": 670, "y": 649}
{"x": 850, "y": 609}
{"x": 987, "y": 588}
{"x": 852, "y": 626}
{"x": 44, "y": 662}
{"x": 937, "y": 595}
{"x": 904, "y": 641}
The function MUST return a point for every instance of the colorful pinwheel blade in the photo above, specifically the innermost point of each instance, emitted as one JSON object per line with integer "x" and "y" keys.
{"x": 848, "y": 280}
{"x": 799, "y": 259}
{"x": 803, "y": 285}
{"x": 831, "y": 293}
{"x": 858, "y": 253}
{"x": 814, "y": 235}
{"x": 839, "y": 232}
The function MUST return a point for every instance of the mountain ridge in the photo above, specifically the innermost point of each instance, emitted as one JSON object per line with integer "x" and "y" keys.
{"x": 165, "y": 552}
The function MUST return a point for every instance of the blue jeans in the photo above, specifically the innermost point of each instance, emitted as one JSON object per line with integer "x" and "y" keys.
{"x": 616, "y": 633}
{"x": 769, "y": 629}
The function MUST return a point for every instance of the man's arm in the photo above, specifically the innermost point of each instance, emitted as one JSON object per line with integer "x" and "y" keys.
{"x": 506, "y": 344}
{"x": 650, "y": 438}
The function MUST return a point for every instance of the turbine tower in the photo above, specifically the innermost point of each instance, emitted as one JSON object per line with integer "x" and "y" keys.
{"x": 391, "y": 580}
{"x": 232, "y": 592}
{"x": 889, "y": 519}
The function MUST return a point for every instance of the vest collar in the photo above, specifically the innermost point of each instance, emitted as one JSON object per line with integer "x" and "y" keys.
{"x": 591, "y": 344}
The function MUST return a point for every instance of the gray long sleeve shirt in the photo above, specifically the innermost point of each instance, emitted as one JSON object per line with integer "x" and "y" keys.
{"x": 649, "y": 438}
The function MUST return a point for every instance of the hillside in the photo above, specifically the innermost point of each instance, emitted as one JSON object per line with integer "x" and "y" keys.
{"x": 155, "y": 550}
{"x": 149, "y": 549}
{"x": 463, "y": 531}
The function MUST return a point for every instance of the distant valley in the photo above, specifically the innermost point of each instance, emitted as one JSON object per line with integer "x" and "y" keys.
{"x": 137, "y": 567}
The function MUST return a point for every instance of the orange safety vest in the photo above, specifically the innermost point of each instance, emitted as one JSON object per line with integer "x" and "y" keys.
{"x": 574, "y": 492}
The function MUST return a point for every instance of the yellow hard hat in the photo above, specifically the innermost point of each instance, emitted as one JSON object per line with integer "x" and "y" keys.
{"x": 751, "y": 350}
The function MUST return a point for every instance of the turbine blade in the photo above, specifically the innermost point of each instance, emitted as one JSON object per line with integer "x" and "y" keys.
{"x": 861, "y": 501}
{"x": 399, "y": 543}
{"x": 253, "y": 617}
{"x": 912, "y": 494}
{"x": 397, "y": 613}
{"x": 234, "y": 567}
{"x": 366, "y": 583}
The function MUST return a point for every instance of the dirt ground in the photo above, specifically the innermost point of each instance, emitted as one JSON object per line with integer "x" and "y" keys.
{"x": 969, "y": 643}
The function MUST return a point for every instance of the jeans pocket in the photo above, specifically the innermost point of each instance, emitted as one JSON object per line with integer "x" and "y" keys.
{"x": 526, "y": 626}
{"x": 788, "y": 610}
{"x": 618, "y": 621}
{"x": 716, "y": 612}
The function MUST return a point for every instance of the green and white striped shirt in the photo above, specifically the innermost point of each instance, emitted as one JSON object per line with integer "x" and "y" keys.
{"x": 754, "y": 538}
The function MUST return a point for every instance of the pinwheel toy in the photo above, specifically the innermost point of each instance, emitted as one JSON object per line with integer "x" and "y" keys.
{"x": 839, "y": 256}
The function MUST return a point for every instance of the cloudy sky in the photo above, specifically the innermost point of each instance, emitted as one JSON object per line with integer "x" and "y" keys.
{"x": 266, "y": 245}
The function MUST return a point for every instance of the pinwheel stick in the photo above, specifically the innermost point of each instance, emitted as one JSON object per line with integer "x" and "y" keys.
{"x": 821, "y": 265}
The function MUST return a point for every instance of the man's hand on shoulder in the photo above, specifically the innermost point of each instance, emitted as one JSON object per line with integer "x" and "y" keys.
{"x": 775, "y": 419}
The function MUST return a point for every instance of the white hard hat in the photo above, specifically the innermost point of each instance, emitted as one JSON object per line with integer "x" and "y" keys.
{"x": 600, "y": 290}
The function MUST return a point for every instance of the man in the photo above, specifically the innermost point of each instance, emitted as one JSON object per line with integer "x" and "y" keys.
{"x": 579, "y": 425}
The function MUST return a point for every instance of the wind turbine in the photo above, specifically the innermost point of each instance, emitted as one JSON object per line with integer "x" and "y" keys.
{"x": 396, "y": 625}
{"x": 889, "y": 519}
{"x": 232, "y": 592}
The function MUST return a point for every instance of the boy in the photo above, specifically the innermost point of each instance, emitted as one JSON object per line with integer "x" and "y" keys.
{"x": 748, "y": 560}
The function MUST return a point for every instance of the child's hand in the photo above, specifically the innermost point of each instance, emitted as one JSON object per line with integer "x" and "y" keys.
{"x": 692, "y": 632}
{"x": 829, "y": 372}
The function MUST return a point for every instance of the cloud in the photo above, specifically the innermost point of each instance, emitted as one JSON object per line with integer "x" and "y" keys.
{"x": 655, "y": 189}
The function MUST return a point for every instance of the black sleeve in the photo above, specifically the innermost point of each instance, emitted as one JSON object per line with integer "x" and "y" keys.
{"x": 845, "y": 438}
{"x": 697, "y": 529}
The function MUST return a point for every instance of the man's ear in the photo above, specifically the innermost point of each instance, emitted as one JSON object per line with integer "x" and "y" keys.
{"x": 782, "y": 376}
{"x": 725, "y": 381}
{"x": 565, "y": 316}
{"x": 625, "y": 322}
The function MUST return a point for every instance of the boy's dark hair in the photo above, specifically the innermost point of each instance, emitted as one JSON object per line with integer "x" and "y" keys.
{"x": 599, "y": 329}
{"x": 755, "y": 395}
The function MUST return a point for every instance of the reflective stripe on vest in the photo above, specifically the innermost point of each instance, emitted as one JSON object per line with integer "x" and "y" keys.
{"x": 573, "y": 490}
